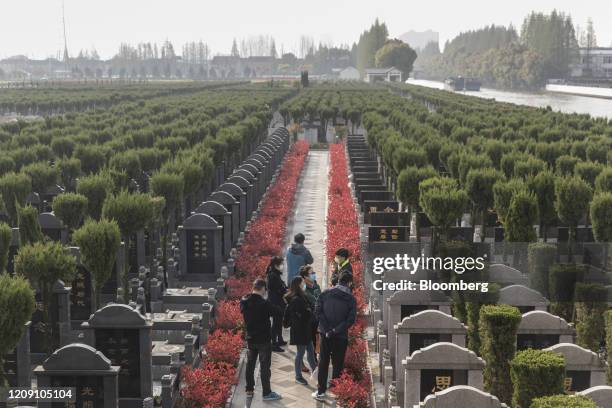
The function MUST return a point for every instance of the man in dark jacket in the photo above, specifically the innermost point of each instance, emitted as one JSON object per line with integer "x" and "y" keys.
{"x": 297, "y": 255}
{"x": 342, "y": 265}
{"x": 336, "y": 311}
{"x": 257, "y": 312}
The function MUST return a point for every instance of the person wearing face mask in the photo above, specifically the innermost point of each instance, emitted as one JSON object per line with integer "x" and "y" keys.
{"x": 342, "y": 264}
{"x": 313, "y": 290}
{"x": 297, "y": 255}
{"x": 276, "y": 291}
{"x": 257, "y": 311}
{"x": 298, "y": 317}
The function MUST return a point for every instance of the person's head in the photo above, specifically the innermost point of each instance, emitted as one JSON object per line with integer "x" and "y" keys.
{"x": 342, "y": 255}
{"x": 306, "y": 272}
{"x": 346, "y": 279}
{"x": 296, "y": 287}
{"x": 275, "y": 263}
{"x": 299, "y": 238}
{"x": 259, "y": 287}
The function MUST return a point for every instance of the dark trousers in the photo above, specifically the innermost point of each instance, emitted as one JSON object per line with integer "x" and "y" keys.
{"x": 334, "y": 349}
{"x": 264, "y": 352}
{"x": 277, "y": 329}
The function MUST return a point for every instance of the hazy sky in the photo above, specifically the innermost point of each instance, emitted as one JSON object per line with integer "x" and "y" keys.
{"x": 33, "y": 27}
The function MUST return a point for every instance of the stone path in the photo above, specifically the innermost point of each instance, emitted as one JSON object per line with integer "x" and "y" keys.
{"x": 309, "y": 219}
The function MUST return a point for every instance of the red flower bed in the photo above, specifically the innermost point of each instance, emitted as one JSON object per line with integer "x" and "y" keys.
{"x": 352, "y": 389}
{"x": 210, "y": 385}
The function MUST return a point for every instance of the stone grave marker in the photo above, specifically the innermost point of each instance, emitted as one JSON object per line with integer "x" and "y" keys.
{"x": 17, "y": 368}
{"x": 238, "y": 212}
{"x": 461, "y": 396}
{"x": 506, "y": 275}
{"x": 539, "y": 330}
{"x": 84, "y": 368}
{"x": 245, "y": 213}
{"x": 389, "y": 234}
{"x": 522, "y": 297}
{"x": 438, "y": 367}
{"x": 379, "y": 206}
{"x": 385, "y": 219}
{"x": 223, "y": 218}
{"x": 601, "y": 394}
{"x": 583, "y": 368}
{"x": 53, "y": 227}
{"x": 123, "y": 335}
{"x": 81, "y": 293}
{"x": 200, "y": 247}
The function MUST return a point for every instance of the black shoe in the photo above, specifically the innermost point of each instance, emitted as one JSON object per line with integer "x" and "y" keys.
{"x": 281, "y": 343}
{"x": 278, "y": 349}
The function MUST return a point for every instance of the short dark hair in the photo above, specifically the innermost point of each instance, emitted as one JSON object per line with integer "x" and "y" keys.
{"x": 304, "y": 270}
{"x": 259, "y": 284}
{"x": 343, "y": 252}
{"x": 346, "y": 278}
{"x": 299, "y": 238}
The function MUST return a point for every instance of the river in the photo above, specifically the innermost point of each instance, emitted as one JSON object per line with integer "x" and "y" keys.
{"x": 558, "y": 102}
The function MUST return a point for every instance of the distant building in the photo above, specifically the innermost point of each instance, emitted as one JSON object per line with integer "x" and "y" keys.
{"x": 391, "y": 74}
{"x": 596, "y": 63}
{"x": 347, "y": 74}
{"x": 419, "y": 39}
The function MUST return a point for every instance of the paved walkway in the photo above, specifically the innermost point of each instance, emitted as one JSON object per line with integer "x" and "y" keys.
{"x": 309, "y": 219}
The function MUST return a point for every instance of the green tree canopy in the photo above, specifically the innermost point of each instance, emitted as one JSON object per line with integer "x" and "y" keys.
{"x": 395, "y": 53}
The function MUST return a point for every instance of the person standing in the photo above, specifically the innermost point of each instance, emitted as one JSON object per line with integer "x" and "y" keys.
{"x": 336, "y": 310}
{"x": 297, "y": 255}
{"x": 276, "y": 292}
{"x": 313, "y": 290}
{"x": 342, "y": 264}
{"x": 298, "y": 317}
{"x": 257, "y": 311}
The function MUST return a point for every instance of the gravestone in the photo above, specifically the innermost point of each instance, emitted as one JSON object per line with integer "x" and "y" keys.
{"x": 421, "y": 330}
{"x": 34, "y": 200}
{"x": 261, "y": 164}
{"x": 245, "y": 212}
{"x": 252, "y": 189}
{"x": 124, "y": 336}
{"x": 539, "y": 330}
{"x": 257, "y": 181}
{"x": 238, "y": 212}
{"x": 53, "y": 227}
{"x": 17, "y": 368}
{"x": 59, "y": 325}
{"x": 223, "y": 218}
{"x": 366, "y": 195}
{"x": 522, "y": 297}
{"x": 81, "y": 296}
{"x": 602, "y": 395}
{"x": 405, "y": 303}
{"x": 438, "y": 367}
{"x": 200, "y": 248}
{"x": 461, "y": 396}
{"x": 109, "y": 290}
{"x": 385, "y": 219}
{"x": 506, "y": 275}
{"x": 84, "y": 368}
{"x": 378, "y": 206}
{"x": 583, "y": 368}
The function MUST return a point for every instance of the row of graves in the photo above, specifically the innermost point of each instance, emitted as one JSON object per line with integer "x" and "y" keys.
{"x": 422, "y": 349}
{"x": 129, "y": 352}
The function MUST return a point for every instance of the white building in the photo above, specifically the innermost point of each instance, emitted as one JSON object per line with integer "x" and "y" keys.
{"x": 349, "y": 74}
{"x": 596, "y": 63}
{"x": 391, "y": 74}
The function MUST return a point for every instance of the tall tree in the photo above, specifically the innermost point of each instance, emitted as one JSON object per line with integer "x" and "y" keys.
{"x": 235, "y": 52}
{"x": 395, "y": 53}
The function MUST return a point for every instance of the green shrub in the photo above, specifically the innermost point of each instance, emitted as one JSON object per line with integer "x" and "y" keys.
{"x": 591, "y": 304}
{"x": 562, "y": 279}
{"x": 540, "y": 257}
{"x": 563, "y": 401}
{"x": 29, "y": 228}
{"x": 6, "y": 236}
{"x": 497, "y": 329}
{"x": 522, "y": 216}
{"x": 603, "y": 182}
{"x": 601, "y": 217}
{"x": 96, "y": 188}
{"x": 43, "y": 176}
{"x": 71, "y": 208}
{"x": 14, "y": 189}
{"x": 536, "y": 373}
{"x": 588, "y": 171}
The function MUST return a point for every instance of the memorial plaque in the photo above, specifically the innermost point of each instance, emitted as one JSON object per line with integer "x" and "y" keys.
{"x": 81, "y": 295}
{"x": 536, "y": 341}
{"x": 395, "y": 233}
{"x": 122, "y": 347}
{"x": 40, "y": 328}
{"x": 89, "y": 391}
{"x": 409, "y": 310}
{"x": 199, "y": 247}
{"x": 576, "y": 381}
{"x": 422, "y": 340}
{"x": 435, "y": 381}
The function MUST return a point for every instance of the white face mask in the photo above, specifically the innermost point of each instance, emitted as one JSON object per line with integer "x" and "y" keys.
{"x": 303, "y": 286}
{"x": 313, "y": 277}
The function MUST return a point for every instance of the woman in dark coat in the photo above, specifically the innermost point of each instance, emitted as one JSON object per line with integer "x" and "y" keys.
{"x": 276, "y": 291}
{"x": 298, "y": 317}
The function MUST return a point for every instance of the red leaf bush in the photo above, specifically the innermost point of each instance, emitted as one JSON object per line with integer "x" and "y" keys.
{"x": 210, "y": 385}
{"x": 352, "y": 389}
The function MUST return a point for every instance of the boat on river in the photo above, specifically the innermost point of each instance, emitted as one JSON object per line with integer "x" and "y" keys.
{"x": 462, "y": 84}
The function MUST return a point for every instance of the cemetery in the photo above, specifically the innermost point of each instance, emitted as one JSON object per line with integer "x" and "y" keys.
{"x": 129, "y": 233}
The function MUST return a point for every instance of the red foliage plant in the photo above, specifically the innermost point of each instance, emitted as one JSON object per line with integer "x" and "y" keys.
{"x": 224, "y": 347}
{"x": 228, "y": 316}
{"x": 208, "y": 386}
{"x": 352, "y": 389}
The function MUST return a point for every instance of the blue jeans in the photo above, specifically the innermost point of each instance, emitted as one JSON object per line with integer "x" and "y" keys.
{"x": 299, "y": 356}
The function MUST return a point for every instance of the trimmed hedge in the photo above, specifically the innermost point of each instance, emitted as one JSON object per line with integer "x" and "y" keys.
{"x": 565, "y": 401}
{"x": 498, "y": 326}
{"x": 609, "y": 343}
{"x": 591, "y": 305}
{"x": 540, "y": 257}
{"x": 562, "y": 281}
{"x": 536, "y": 373}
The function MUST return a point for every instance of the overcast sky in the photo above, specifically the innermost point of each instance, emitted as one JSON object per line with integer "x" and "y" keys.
{"x": 33, "y": 27}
